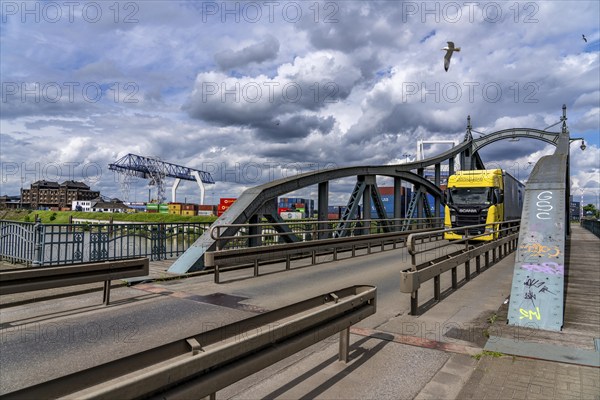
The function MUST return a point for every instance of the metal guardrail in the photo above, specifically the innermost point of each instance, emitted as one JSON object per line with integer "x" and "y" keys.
{"x": 29, "y": 279}
{"x": 55, "y": 244}
{"x": 591, "y": 225}
{"x": 307, "y": 230}
{"x": 252, "y": 257}
{"x": 449, "y": 255}
{"x": 201, "y": 365}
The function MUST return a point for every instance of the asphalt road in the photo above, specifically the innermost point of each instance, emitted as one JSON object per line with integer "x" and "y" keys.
{"x": 45, "y": 340}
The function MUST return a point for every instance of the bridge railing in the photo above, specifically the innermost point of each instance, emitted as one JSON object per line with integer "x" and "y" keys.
{"x": 430, "y": 261}
{"x": 200, "y": 365}
{"x": 308, "y": 230}
{"x": 228, "y": 259}
{"x": 40, "y": 244}
{"x": 30, "y": 279}
{"x": 591, "y": 225}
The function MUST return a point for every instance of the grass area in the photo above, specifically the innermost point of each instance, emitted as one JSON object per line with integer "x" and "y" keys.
{"x": 494, "y": 354}
{"x": 62, "y": 217}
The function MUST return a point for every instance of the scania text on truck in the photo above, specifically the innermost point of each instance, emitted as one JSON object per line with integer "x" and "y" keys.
{"x": 481, "y": 197}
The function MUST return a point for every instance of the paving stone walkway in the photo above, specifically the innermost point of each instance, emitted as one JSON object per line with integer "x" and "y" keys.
{"x": 510, "y": 378}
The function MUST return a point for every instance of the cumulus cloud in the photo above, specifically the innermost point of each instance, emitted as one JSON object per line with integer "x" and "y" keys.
{"x": 276, "y": 107}
{"x": 347, "y": 83}
{"x": 255, "y": 53}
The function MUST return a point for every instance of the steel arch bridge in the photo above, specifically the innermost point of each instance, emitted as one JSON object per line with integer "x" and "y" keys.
{"x": 261, "y": 201}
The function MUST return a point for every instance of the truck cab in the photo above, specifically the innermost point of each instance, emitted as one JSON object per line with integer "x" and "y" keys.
{"x": 472, "y": 198}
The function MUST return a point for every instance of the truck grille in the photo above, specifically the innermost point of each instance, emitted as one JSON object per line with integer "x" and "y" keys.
{"x": 466, "y": 220}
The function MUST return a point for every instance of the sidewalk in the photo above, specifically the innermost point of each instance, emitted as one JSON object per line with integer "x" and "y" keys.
{"x": 510, "y": 377}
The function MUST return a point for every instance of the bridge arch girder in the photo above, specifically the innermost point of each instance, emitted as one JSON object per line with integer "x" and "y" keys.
{"x": 548, "y": 137}
{"x": 252, "y": 200}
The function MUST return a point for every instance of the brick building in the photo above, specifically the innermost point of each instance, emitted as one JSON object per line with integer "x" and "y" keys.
{"x": 45, "y": 194}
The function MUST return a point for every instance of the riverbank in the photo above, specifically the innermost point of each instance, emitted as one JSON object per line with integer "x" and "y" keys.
{"x": 64, "y": 217}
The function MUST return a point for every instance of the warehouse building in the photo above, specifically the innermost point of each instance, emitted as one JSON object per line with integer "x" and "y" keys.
{"x": 46, "y": 195}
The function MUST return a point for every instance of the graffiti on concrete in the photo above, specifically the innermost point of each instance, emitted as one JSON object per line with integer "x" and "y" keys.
{"x": 550, "y": 268}
{"x": 530, "y": 314}
{"x": 544, "y": 205}
{"x": 539, "y": 250}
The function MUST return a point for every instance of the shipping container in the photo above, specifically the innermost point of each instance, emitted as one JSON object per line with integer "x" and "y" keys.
{"x": 206, "y": 212}
{"x": 386, "y": 190}
{"x": 207, "y": 207}
{"x": 291, "y": 215}
{"x": 189, "y": 206}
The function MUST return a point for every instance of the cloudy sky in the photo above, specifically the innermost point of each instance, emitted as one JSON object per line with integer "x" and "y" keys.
{"x": 256, "y": 91}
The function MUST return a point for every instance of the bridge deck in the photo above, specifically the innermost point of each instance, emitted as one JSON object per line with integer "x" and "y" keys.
{"x": 582, "y": 293}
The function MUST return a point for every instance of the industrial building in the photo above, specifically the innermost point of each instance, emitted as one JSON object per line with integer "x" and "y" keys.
{"x": 45, "y": 194}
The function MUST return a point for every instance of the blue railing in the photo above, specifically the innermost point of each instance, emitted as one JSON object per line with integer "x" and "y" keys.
{"x": 39, "y": 244}
{"x": 592, "y": 225}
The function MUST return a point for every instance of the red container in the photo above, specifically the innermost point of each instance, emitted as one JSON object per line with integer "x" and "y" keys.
{"x": 386, "y": 190}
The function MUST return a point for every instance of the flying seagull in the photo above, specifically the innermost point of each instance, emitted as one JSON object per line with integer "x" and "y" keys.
{"x": 584, "y": 39}
{"x": 449, "y": 50}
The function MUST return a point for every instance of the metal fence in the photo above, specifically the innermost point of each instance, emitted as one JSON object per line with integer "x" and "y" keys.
{"x": 39, "y": 244}
{"x": 591, "y": 225}
{"x": 56, "y": 244}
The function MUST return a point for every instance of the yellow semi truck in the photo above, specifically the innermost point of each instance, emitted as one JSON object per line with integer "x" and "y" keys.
{"x": 481, "y": 197}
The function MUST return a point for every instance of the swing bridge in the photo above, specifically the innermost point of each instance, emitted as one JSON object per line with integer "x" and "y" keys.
{"x": 261, "y": 202}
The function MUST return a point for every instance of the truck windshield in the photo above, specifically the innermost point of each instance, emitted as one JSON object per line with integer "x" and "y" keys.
{"x": 470, "y": 196}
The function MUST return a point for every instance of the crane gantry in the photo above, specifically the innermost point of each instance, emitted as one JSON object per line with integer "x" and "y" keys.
{"x": 156, "y": 170}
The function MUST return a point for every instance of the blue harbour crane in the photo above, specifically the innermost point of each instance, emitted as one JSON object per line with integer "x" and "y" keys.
{"x": 157, "y": 171}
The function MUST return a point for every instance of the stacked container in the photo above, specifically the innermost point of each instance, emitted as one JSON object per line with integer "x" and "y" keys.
{"x": 224, "y": 205}
{"x": 189, "y": 209}
{"x": 175, "y": 208}
{"x": 206, "y": 209}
